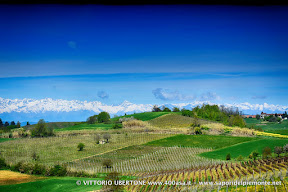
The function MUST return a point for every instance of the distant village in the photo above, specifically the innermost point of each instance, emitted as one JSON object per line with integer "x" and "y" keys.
{"x": 263, "y": 115}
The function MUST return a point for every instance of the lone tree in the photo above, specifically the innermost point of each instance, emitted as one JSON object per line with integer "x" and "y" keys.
{"x": 107, "y": 136}
{"x": 18, "y": 124}
{"x": 266, "y": 152}
{"x": 258, "y": 117}
{"x": 278, "y": 150}
{"x": 176, "y": 109}
{"x": 103, "y": 117}
{"x": 166, "y": 109}
{"x": 107, "y": 163}
{"x": 6, "y": 124}
{"x": 97, "y": 138}
{"x": 40, "y": 130}
{"x": 228, "y": 156}
{"x": 254, "y": 155}
{"x": 81, "y": 146}
{"x": 156, "y": 109}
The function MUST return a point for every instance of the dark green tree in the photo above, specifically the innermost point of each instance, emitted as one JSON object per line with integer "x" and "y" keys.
{"x": 254, "y": 155}
{"x": 107, "y": 163}
{"x": 12, "y": 123}
{"x": 176, "y": 109}
{"x": 103, "y": 117}
{"x": 166, "y": 109}
{"x": 40, "y": 130}
{"x": 6, "y": 124}
{"x": 28, "y": 123}
{"x": 18, "y": 124}
{"x": 156, "y": 109}
{"x": 285, "y": 114}
{"x": 1, "y": 123}
{"x": 258, "y": 117}
{"x": 228, "y": 156}
{"x": 81, "y": 146}
{"x": 92, "y": 120}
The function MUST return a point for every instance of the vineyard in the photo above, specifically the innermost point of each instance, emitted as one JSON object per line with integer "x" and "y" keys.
{"x": 164, "y": 158}
{"x": 62, "y": 149}
{"x": 273, "y": 169}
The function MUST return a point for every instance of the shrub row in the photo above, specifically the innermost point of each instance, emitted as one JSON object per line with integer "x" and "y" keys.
{"x": 38, "y": 169}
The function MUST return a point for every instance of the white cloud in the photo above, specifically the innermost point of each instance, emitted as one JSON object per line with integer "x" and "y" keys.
{"x": 169, "y": 95}
{"x": 103, "y": 95}
{"x": 209, "y": 96}
{"x": 259, "y": 97}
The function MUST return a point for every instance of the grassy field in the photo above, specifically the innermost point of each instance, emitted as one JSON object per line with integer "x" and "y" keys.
{"x": 279, "y": 131}
{"x": 61, "y": 149}
{"x": 270, "y": 127}
{"x": 58, "y": 184}
{"x": 265, "y": 125}
{"x": 251, "y": 121}
{"x": 5, "y": 139}
{"x": 54, "y": 125}
{"x": 173, "y": 120}
{"x": 202, "y": 141}
{"x": 100, "y": 126}
{"x": 245, "y": 149}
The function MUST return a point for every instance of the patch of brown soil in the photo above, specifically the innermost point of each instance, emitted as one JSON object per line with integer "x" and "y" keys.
{"x": 10, "y": 178}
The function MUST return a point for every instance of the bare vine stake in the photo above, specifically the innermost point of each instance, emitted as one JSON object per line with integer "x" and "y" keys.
{"x": 246, "y": 183}
{"x": 219, "y": 187}
{"x": 272, "y": 179}
{"x": 282, "y": 180}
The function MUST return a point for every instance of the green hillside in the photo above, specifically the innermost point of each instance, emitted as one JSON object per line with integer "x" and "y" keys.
{"x": 203, "y": 141}
{"x": 53, "y": 184}
{"x": 146, "y": 116}
{"x": 245, "y": 149}
{"x": 98, "y": 126}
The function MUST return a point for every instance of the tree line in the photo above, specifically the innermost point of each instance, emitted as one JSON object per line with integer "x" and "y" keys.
{"x": 103, "y": 117}
{"x": 227, "y": 115}
{"x": 6, "y": 127}
{"x": 266, "y": 153}
{"x": 164, "y": 109}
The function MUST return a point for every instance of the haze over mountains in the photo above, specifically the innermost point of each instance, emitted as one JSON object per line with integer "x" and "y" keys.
{"x": 75, "y": 110}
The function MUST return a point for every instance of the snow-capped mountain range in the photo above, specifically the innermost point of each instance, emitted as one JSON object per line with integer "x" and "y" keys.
{"x": 75, "y": 110}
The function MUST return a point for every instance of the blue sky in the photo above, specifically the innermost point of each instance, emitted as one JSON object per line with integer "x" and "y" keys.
{"x": 144, "y": 54}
